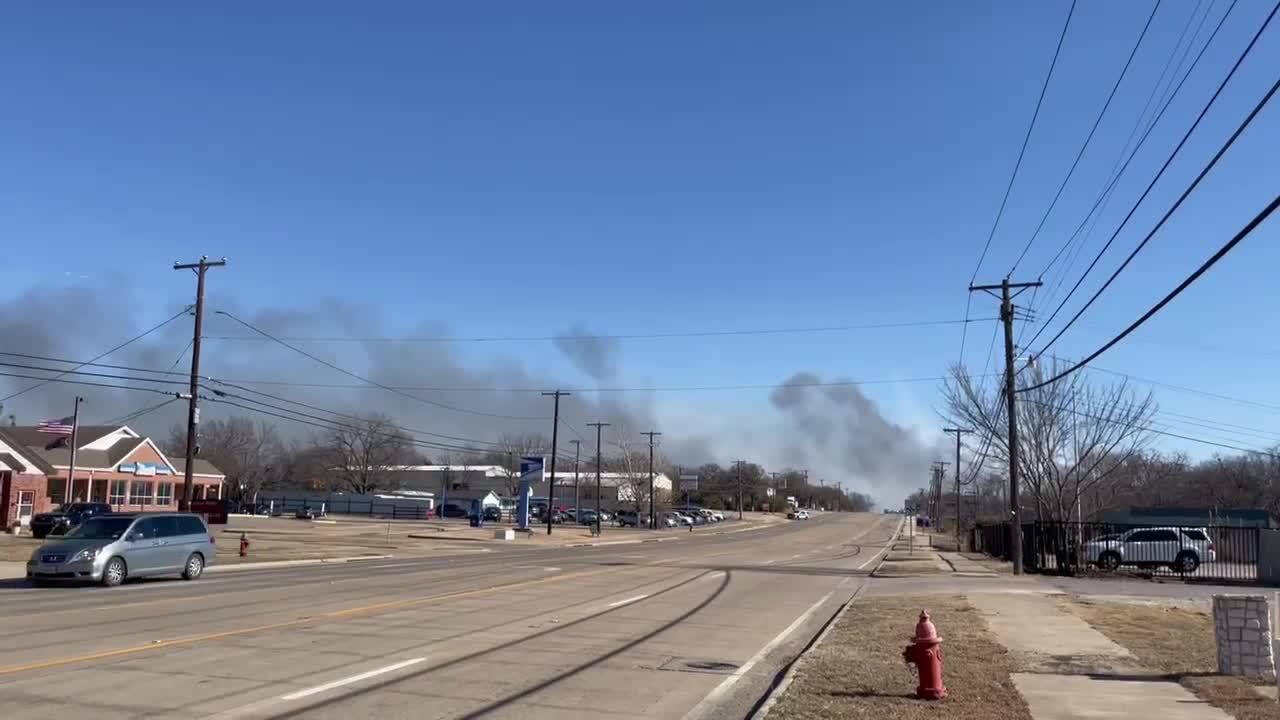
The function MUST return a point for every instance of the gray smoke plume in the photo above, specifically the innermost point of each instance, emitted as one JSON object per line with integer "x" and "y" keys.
{"x": 447, "y": 393}
{"x": 838, "y": 428}
{"x": 593, "y": 355}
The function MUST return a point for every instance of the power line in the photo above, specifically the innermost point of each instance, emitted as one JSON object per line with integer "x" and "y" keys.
{"x": 374, "y": 383}
{"x": 1203, "y": 172}
{"x": 1014, "y": 176}
{"x": 669, "y": 388}
{"x": 1117, "y": 171}
{"x": 615, "y": 336}
{"x": 135, "y": 338}
{"x": 1257, "y": 220}
{"x": 1089, "y": 138}
{"x": 85, "y": 383}
{"x": 129, "y": 417}
{"x": 86, "y": 373}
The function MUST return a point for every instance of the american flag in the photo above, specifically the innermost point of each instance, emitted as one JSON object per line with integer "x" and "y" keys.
{"x": 57, "y": 427}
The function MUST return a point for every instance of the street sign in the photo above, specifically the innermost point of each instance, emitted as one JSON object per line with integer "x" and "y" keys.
{"x": 530, "y": 472}
{"x": 688, "y": 483}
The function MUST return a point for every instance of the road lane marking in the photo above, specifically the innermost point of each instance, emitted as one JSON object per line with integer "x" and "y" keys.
{"x": 705, "y": 708}
{"x": 349, "y": 680}
{"x": 312, "y": 619}
{"x": 628, "y": 601}
{"x": 768, "y": 562}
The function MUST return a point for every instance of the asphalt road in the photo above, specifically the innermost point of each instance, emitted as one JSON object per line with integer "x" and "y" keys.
{"x": 694, "y": 628}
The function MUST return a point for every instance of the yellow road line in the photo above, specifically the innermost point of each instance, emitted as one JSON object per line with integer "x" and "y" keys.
{"x": 334, "y": 615}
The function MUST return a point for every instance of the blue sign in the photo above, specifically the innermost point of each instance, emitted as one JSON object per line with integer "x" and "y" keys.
{"x": 530, "y": 472}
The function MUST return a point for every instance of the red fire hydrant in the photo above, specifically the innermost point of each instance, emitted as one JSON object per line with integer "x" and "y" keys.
{"x": 244, "y": 545}
{"x": 925, "y": 652}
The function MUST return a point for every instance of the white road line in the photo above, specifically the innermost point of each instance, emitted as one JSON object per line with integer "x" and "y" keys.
{"x": 627, "y": 601}
{"x": 706, "y": 708}
{"x": 349, "y": 680}
{"x": 793, "y": 557}
{"x": 768, "y": 562}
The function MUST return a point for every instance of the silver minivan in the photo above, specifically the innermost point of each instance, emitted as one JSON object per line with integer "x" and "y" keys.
{"x": 110, "y": 548}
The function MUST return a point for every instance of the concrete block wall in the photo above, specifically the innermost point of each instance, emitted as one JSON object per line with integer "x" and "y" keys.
{"x": 1242, "y": 628}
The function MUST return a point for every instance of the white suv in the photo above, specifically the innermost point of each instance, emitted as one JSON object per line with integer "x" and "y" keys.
{"x": 1182, "y": 549}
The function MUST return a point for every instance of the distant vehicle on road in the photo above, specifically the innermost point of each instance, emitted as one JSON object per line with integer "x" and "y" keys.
{"x": 110, "y": 548}
{"x": 306, "y": 513}
{"x": 798, "y": 515}
{"x": 1182, "y": 549}
{"x": 67, "y": 516}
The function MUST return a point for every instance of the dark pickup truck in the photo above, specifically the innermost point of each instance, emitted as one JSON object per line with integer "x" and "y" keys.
{"x": 66, "y": 517}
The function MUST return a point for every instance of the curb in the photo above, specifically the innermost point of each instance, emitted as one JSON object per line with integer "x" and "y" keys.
{"x": 780, "y": 686}
{"x": 293, "y": 563}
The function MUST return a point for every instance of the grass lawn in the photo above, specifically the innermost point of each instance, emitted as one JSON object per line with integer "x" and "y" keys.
{"x": 857, "y": 671}
{"x": 1179, "y": 643}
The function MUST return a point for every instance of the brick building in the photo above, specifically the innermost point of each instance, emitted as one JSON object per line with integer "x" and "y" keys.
{"x": 114, "y": 464}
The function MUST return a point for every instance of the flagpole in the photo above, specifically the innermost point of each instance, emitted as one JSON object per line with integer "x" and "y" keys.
{"x": 71, "y": 471}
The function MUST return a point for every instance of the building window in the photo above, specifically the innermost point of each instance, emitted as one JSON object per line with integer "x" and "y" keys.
{"x": 211, "y": 492}
{"x": 118, "y": 489}
{"x": 99, "y": 491}
{"x": 141, "y": 493}
{"x": 197, "y": 492}
{"x": 164, "y": 493}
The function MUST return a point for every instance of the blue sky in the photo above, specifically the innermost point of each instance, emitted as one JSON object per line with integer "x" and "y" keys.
{"x": 500, "y": 168}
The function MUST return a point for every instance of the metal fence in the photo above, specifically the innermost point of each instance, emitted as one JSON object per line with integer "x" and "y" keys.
{"x": 347, "y": 505}
{"x": 1213, "y": 553}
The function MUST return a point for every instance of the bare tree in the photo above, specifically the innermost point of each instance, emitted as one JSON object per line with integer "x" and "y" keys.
{"x": 364, "y": 453}
{"x": 506, "y": 454}
{"x": 1074, "y": 435}
{"x": 250, "y": 454}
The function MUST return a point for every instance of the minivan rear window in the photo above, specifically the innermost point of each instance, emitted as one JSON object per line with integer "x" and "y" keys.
{"x": 190, "y": 525}
{"x": 1197, "y": 535}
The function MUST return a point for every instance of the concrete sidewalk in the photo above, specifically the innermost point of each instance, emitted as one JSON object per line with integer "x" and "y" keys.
{"x": 1076, "y": 671}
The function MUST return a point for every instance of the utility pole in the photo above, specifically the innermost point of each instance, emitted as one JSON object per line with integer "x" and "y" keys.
{"x": 738, "y": 465}
{"x": 71, "y": 471}
{"x": 840, "y": 488}
{"x": 653, "y": 519}
{"x": 598, "y": 426}
{"x": 958, "y": 432}
{"x": 555, "y": 428}
{"x": 200, "y": 268}
{"x": 577, "y": 455}
{"x": 1006, "y": 317}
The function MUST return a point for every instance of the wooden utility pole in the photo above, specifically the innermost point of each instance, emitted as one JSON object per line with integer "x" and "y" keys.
{"x": 598, "y": 426}
{"x": 1006, "y": 317}
{"x": 577, "y": 457}
{"x": 738, "y": 465}
{"x": 653, "y": 518}
{"x": 958, "y": 432}
{"x": 200, "y": 267}
{"x": 555, "y": 427}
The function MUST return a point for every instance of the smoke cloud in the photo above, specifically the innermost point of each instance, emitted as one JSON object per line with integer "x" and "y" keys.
{"x": 839, "y": 429}
{"x": 836, "y": 430}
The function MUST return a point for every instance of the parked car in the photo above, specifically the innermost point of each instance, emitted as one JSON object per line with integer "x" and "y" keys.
{"x": 717, "y": 515}
{"x": 453, "y": 510}
{"x": 112, "y": 547}
{"x": 798, "y": 515}
{"x": 1182, "y": 549}
{"x": 306, "y": 513}
{"x": 631, "y": 518}
{"x": 67, "y": 516}
{"x": 587, "y": 517}
{"x": 492, "y": 513}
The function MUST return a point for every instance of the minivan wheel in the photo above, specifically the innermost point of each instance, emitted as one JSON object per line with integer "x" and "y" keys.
{"x": 194, "y": 567}
{"x": 1109, "y": 561}
{"x": 115, "y": 572}
{"x": 1186, "y": 562}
